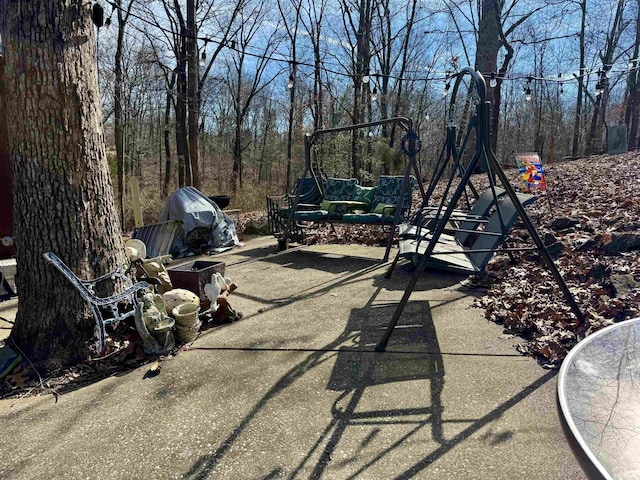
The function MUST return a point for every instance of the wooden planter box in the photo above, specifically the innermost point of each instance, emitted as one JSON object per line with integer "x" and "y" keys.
{"x": 193, "y": 276}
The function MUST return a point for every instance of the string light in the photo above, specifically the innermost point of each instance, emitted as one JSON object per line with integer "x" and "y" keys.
{"x": 374, "y": 94}
{"x": 446, "y": 89}
{"x": 493, "y": 82}
{"x": 290, "y": 83}
{"x": 231, "y": 44}
{"x": 598, "y": 88}
{"x": 203, "y": 55}
{"x": 527, "y": 91}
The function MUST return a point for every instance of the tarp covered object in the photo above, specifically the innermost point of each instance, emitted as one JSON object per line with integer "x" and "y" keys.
{"x": 205, "y": 225}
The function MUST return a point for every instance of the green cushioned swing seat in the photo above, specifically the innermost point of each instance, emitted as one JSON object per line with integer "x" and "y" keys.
{"x": 366, "y": 218}
{"x": 311, "y": 215}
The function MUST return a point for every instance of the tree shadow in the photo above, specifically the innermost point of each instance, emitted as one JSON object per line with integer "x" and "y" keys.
{"x": 303, "y": 258}
{"x": 413, "y": 353}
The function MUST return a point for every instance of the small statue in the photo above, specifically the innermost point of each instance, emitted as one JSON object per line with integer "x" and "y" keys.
{"x": 218, "y": 292}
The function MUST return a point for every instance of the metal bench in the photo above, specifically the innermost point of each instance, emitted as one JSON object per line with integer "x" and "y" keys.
{"x": 106, "y": 305}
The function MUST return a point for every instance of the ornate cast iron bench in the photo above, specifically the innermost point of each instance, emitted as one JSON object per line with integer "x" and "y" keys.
{"x": 86, "y": 289}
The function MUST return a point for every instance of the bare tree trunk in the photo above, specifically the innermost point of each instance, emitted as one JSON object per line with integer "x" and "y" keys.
{"x": 63, "y": 192}
{"x": 398, "y": 105}
{"x": 6, "y": 172}
{"x": 598, "y": 121}
{"x": 632, "y": 111}
{"x": 193, "y": 102}
{"x": 578, "y": 116}
{"x": 293, "y": 35}
{"x": 182, "y": 144}
{"x": 123, "y": 16}
{"x": 167, "y": 137}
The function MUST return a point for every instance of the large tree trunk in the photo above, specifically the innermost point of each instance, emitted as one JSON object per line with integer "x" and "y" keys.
{"x": 182, "y": 141}
{"x": 193, "y": 101}
{"x": 63, "y": 194}
{"x": 489, "y": 43}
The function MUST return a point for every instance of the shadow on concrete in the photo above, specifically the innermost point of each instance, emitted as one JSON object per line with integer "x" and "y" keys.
{"x": 303, "y": 258}
{"x": 351, "y": 268}
{"x": 413, "y": 353}
{"x": 353, "y": 374}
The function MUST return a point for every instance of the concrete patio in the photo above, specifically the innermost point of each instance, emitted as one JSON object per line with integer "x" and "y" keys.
{"x": 295, "y": 391}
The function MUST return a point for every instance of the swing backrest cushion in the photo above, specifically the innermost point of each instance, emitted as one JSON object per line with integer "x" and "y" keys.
{"x": 340, "y": 189}
{"x": 387, "y": 192}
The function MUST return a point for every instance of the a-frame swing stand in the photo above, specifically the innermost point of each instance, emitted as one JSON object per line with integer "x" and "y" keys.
{"x": 482, "y": 125}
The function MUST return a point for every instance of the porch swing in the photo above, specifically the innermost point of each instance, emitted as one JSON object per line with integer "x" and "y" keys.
{"x": 444, "y": 238}
{"x": 344, "y": 200}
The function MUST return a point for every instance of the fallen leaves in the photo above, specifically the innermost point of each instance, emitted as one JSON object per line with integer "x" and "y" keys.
{"x": 594, "y": 215}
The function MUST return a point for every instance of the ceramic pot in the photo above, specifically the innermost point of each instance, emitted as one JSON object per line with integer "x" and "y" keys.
{"x": 186, "y": 314}
{"x": 187, "y": 334}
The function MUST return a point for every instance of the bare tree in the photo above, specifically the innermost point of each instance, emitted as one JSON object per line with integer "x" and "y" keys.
{"x": 632, "y": 111}
{"x": 292, "y": 35}
{"x": 248, "y": 81}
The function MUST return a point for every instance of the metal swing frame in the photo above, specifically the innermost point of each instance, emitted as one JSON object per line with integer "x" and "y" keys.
{"x": 411, "y": 150}
{"x": 482, "y": 152}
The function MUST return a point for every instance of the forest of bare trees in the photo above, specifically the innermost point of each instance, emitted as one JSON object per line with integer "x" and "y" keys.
{"x": 218, "y": 94}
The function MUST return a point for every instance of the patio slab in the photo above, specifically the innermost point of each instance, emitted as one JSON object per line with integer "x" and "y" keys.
{"x": 294, "y": 389}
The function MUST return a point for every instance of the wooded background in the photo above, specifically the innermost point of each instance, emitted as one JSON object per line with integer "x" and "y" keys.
{"x": 218, "y": 94}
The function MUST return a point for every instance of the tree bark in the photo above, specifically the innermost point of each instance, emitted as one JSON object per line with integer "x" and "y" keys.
{"x": 193, "y": 102}
{"x": 489, "y": 43}
{"x": 6, "y": 172}
{"x": 578, "y": 115}
{"x": 167, "y": 137}
{"x": 182, "y": 141}
{"x": 63, "y": 194}
{"x": 632, "y": 112}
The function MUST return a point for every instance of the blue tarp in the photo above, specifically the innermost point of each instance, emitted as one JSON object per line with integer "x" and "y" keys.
{"x": 202, "y": 220}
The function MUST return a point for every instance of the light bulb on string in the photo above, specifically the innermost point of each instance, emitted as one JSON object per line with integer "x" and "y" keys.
{"x": 290, "y": 83}
{"x": 527, "y": 91}
{"x": 374, "y": 95}
{"x": 598, "y": 89}
{"x": 607, "y": 71}
{"x": 365, "y": 78}
{"x": 446, "y": 89}
{"x": 427, "y": 117}
{"x": 203, "y": 59}
{"x": 493, "y": 82}
{"x": 370, "y": 134}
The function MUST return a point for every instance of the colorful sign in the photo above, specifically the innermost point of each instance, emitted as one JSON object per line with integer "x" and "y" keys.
{"x": 530, "y": 167}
